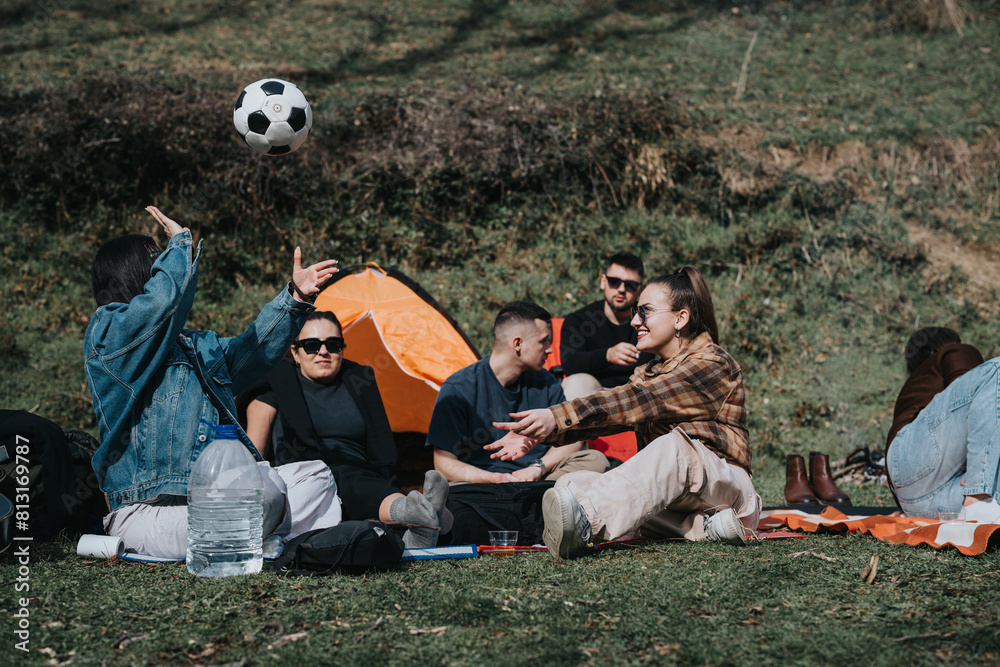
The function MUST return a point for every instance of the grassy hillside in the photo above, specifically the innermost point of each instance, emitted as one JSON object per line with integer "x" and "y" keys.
{"x": 833, "y": 167}
{"x": 497, "y": 151}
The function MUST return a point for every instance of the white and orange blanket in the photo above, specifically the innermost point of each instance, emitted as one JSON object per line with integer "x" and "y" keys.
{"x": 969, "y": 538}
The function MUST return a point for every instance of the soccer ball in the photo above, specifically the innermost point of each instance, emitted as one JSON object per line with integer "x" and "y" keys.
{"x": 272, "y": 116}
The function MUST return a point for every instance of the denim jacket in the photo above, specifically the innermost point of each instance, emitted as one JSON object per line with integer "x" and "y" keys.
{"x": 154, "y": 384}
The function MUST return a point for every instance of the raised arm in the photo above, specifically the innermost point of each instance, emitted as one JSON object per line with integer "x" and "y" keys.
{"x": 252, "y": 354}
{"x": 170, "y": 228}
{"x": 306, "y": 283}
{"x": 129, "y": 338}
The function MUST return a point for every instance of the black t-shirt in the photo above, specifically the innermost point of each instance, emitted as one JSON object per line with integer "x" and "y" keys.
{"x": 336, "y": 418}
{"x": 586, "y": 336}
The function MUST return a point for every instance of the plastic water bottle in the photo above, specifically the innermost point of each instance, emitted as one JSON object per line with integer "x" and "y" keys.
{"x": 225, "y": 509}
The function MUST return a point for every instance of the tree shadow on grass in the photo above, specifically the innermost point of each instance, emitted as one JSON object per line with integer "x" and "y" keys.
{"x": 133, "y": 21}
{"x": 572, "y": 23}
{"x": 561, "y": 31}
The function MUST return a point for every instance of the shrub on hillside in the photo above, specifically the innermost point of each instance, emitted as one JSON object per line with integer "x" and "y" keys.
{"x": 410, "y": 174}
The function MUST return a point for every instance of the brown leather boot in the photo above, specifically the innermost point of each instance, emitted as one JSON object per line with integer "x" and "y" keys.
{"x": 797, "y": 491}
{"x": 821, "y": 480}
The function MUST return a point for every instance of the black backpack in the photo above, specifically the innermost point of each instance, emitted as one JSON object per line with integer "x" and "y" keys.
{"x": 480, "y": 508}
{"x": 351, "y": 547}
{"x": 49, "y": 470}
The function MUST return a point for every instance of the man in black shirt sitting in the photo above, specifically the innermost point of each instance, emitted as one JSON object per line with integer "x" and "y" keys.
{"x": 598, "y": 342}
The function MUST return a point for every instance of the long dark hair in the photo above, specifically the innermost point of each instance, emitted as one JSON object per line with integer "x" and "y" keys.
{"x": 687, "y": 289}
{"x": 122, "y": 267}
{"x": 924, "y": 343}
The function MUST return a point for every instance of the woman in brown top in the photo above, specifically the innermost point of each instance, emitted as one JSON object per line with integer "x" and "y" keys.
{"x": 691, "y": 477}
{"x": 943, "y": 450}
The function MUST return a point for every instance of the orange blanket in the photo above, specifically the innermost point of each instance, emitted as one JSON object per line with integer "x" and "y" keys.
{"x": 969, "y": 538}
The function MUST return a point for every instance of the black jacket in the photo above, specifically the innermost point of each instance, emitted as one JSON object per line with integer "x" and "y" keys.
{"x": 584, "y": 341}
{"x": 301, "y": 442}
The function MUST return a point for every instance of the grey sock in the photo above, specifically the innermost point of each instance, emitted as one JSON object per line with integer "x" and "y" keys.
{"x": 436, "y": 489}
{"x": 417, "y": 509}
{"x": 397, "y": 509}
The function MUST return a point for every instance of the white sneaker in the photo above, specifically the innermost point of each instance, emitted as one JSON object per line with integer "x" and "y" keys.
{"x": 724, "y": 526}
{"x": 982, "y": 511}
{"x": 567, "y": 529}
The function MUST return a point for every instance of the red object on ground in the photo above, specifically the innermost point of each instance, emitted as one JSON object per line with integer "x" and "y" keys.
{"x": 488, "y": 548}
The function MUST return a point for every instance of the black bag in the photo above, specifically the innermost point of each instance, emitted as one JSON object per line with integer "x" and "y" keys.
{"x": 352, "y": 547}
{"x": 480, "y": 508}
{"x": 61, "y": 489}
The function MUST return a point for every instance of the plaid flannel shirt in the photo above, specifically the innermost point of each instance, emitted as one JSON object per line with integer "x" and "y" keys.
{"x": 699, "y": 391}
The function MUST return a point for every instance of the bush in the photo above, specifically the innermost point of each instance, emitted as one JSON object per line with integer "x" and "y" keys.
{"x": 407, "y": 174}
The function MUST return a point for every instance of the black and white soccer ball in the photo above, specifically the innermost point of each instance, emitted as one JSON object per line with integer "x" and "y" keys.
{"x": 272, "y": 116}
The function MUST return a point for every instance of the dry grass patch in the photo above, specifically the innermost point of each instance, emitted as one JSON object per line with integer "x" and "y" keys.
{"x": 940, "y": 183}
{"x": 944, "y": 251}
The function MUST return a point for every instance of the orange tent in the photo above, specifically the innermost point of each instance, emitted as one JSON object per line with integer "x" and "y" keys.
{"x": 391, "y": 324}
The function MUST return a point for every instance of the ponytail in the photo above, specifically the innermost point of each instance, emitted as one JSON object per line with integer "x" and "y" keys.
{"x": 687, "y": 289}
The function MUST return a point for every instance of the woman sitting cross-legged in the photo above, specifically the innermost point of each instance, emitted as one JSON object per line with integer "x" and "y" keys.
{"x": 691, "y": 476}
{"x": 321, "y": 406}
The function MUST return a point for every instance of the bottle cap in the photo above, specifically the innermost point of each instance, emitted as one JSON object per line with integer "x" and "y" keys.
{"x": 226, "y": 431}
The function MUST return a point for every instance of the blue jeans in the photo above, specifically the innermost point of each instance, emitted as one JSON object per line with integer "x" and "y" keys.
{"x": 952, "y": 448}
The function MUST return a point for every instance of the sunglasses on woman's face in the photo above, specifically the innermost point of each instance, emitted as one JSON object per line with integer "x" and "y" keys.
{"x": 644, "y": 312}
{"x": 333, "y": 345}
{"x": 615, "y": 283}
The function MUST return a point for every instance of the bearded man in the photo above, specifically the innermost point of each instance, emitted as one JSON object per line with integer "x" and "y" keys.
{"x": 598, "y": 349}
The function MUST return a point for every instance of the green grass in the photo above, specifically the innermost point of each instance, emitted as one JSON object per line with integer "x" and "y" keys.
{"x": 834, "y": 65}
{"x": 817, "y": 283}
{"x": 794, "y": 601}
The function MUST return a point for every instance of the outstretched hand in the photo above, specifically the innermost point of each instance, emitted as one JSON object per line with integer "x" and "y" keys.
{"x": 169, "y": 226}
{"x": 536, "y": 424}
{"x": 306, "y": 283}
{"x": 510, "y": 447}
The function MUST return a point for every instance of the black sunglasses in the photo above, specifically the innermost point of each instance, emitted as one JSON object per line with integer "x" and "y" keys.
{"x": 644, "y": 311}
{"x": 615, "y": 283}
{"x": 333, "y": 345}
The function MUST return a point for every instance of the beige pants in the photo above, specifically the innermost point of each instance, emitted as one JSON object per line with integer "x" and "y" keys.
{"x": 586, "y": 460}
{"x": 298, "y": 497}
{"x": 666, "y": 490}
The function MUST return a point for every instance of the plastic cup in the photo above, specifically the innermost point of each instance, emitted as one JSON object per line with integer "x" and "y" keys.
{"x": 503, "y": 541}
{"x": 947, "y": 517}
